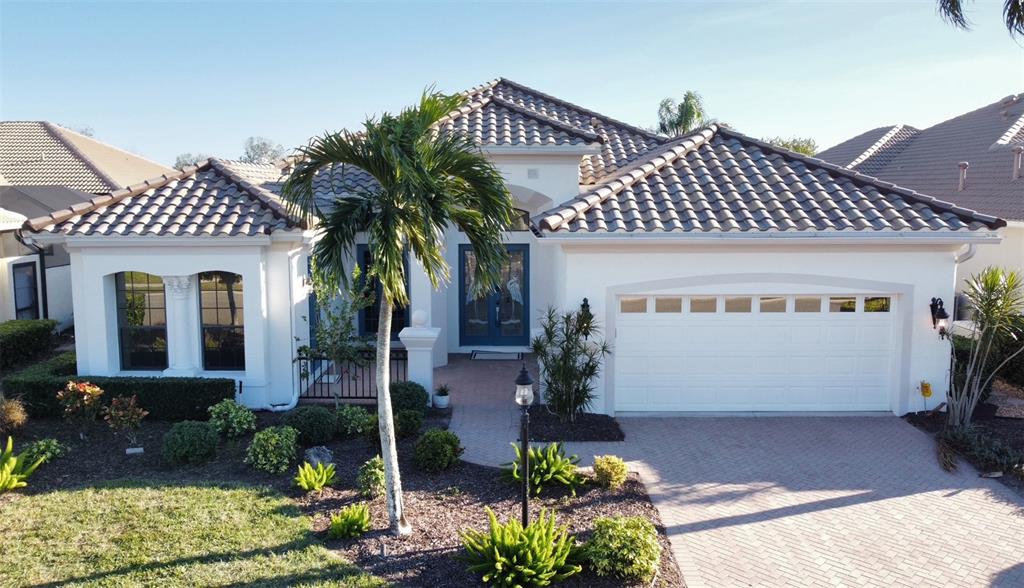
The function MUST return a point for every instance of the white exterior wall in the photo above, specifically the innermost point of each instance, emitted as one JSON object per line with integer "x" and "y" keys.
{"x": 274, "y": 300}
{"x": 914, "y": 274}
{"x": 1009, "y": 254}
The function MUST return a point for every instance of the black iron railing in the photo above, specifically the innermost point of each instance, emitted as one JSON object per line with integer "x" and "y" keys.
{"x": 323, "y": 379}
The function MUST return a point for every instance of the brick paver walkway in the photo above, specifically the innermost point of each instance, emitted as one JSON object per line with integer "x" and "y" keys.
{"x": 787, "y": 501}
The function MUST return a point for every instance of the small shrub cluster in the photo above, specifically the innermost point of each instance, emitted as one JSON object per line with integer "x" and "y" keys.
{"x": 351, "y": 521}
{"x": 372, "y": 431}
{"x": 190, "y": 442}
{"x": 624, "y": 547}
{"x": 81, "y": 402}
{"x": 408, "y": 423}
{"x": 315, "y": 479}
{"x": 610, "y": 471}
{"x": 987, "y": 451}
{"x": 436, "y": 450}
{"x": 273, "y": 449}
{"x": 352, "y": 421}
{"x": 549, "y": 466}
{"x": 45, "y": 449}
{"x": 124, "y": 416}
{"x": 232, "y": 419}
{"x": 315, "y": 424}
{"x": 370, "y": 479}
{"x": 25, "y": 340}
{"x": 540, "y": 554}
{"x": 12, "y": 415}
{"x": 15, "y": 469}
{"x": 409, "y": 396}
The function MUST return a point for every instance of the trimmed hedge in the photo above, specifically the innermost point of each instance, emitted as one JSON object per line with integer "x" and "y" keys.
{"x": 166, "y": 399}
{"x": 24, "y": 340}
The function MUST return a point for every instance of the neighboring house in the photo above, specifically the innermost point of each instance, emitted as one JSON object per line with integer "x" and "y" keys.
{"x": 973, "y": 160}
{"x": 45, "y": 167}
{"x": 728, "y": 274}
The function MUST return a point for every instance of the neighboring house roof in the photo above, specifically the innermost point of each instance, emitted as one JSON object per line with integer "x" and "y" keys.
{"x": 927, "y": 160}
{"x": 39, "y": 153}
{"x": 210, "y": 199}
{"x": 718, "y": 180}
{"x": 35, "y": 201}
{"x": 10, "y": 221}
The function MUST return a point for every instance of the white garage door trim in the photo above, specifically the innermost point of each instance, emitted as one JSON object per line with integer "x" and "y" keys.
{"x": 737, "y": 358}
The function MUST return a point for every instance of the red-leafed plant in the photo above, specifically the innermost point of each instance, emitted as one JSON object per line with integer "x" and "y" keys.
{"x": 124, "y": 416}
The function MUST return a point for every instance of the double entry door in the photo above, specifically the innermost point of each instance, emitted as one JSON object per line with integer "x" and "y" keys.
{"x": 499, "y": 316}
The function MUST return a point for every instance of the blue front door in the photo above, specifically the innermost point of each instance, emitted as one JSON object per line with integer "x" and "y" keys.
{"x": 502, "y": 315}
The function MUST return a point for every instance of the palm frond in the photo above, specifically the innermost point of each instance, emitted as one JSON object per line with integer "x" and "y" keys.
{"x": 952, "y": 11}
{"x": 1013, "y": 16}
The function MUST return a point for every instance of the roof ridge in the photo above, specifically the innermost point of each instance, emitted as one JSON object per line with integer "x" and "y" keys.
{"x": 551, "y": 122}
{"x": 873, "y": 149}
{"x": 62, "y": 129}
{"x": 623, "y": 178}
{"x": 557, "y": 100}
{"x": 57, "y": 216}
{"x": 860, "y": 178}
{"x": 258, "y": 192}
{"x": 1010, "y": 133}
{"x": 468, "y": 107}
{"x": 56, "y": 133}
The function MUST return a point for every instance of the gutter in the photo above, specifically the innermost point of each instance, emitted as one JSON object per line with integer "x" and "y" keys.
{"x": 775, "y": 238}
{"x": 971, "y": 249}
{"x": 27, "y": 242}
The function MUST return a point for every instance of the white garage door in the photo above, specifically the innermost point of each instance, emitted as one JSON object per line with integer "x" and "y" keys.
{"x": 754, "y": 353}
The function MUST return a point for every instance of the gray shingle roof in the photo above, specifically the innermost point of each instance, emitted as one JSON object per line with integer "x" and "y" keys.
{"x": 718, "y": 180}
{"x": 211, "y": 199}
{"x": 494, "y": 121}
{"x": 927, "y": 160}
{"x": 37, "y": 153}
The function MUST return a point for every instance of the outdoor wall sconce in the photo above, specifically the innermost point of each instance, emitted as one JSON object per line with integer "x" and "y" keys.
{"x": 940, "y": 318}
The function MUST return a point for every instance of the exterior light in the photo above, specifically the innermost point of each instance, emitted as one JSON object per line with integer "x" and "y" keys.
{"x": 940, "y": 318}
{"x": 524, "y": 398}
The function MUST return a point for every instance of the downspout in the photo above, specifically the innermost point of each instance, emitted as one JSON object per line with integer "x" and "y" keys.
{"x": 967, "y": 254}
{"x": 27, "y": 242}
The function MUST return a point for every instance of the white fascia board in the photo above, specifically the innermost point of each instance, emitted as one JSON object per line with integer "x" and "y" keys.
{"x": 169, "y": 241}
{"x": 1014, "y": 224}
{"x": 877, "y": 238}
{"x": 585, "y": 149}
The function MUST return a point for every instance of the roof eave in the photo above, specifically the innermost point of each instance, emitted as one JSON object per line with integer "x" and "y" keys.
{"x": 924, "y": 237}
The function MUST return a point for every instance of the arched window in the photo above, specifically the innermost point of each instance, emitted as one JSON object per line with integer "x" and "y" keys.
{"x": 141, "y": 321}
{"x": 223, "y": 326}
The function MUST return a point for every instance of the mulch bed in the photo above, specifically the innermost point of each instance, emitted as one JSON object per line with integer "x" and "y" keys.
{"x": 545, "y": 426}
{"x": 438, "y": 506}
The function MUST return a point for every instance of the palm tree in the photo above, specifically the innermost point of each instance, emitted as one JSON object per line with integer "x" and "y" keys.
{"x": 426, "y": 181}
{"x": 1013, "y": 14}
{"x": 680, "y": 118}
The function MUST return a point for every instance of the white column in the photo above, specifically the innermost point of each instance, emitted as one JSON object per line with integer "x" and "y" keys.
{"x": 182, "y": 326}
{"x": 419, "y": 342}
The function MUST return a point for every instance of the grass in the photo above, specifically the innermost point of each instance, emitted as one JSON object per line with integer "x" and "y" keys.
{"x": 155, "y": 534}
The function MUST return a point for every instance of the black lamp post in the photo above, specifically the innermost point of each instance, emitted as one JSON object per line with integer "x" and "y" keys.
{"x": 524, "y": 398}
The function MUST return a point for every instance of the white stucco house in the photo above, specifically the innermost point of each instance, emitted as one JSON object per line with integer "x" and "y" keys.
{"x": 729, "y": 275}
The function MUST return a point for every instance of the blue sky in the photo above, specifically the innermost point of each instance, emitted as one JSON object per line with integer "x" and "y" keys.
{"x": 164, "y": 78}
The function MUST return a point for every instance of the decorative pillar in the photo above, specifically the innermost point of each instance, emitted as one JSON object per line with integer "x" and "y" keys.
{"x": 182, "y": 326}
{"x": 419, "y": 342}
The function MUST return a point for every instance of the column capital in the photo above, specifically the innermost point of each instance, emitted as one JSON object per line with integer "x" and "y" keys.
{"x": 179, "y": 286}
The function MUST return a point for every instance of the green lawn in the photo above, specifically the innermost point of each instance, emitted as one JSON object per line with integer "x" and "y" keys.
{"x": 131, "y": 534}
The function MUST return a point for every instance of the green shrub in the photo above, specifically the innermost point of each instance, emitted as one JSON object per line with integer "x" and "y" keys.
{"x": 408, "y": 423}
{"x": 315, "y": 424}
{"x": 625, "y": 547}
{"x": 436, "y": 450}
{"x": 988, "y": 452}
{"x": 45, "y": 449}
{"x": 370, "y": 479}
{"x": 273, "y": 449}
{"x": 15, "y": 469}
{"x": 352, "y": 420}
{"x": 166, "y": 399}
{"x": 510, "y": 555}
{"x": 570, "y": 355}
{"x": 190, "y": 442}
{"x": 372, "y": 431}
{"x": 548, "y": 466}
{"x": 82, "y": 402}
{"x": 315, "y": 479}
{"x": 12, "y": 415}
{"x": 351, "y": 521}
{"x": 124, "y": 416}
{"x": 25, "y": 340}
{"x": 610, "y": 471}
{"x": 232, "y": 419}
{"x": 409, "y": 396}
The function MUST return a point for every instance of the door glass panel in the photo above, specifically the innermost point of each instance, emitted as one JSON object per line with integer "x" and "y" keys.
{"x": 26, "y": 297}
{"x": 511, "y": 296}
{"x": 633, "y": 304}
{"x": 842, "y": 304}
{"x": 876, "y": 304}
{"x": 475, "y": 306}
{"x": 773, "y": 304}
{"x": 737, "y": 304}
{"x": 807, "y": 304}
{"x": 704, "y": 304}
{"x": 668, "y": 304}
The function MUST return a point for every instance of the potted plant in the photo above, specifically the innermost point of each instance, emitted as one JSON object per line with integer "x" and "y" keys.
{"x": 124, "y": 415}
{"x": 441, "y": 396}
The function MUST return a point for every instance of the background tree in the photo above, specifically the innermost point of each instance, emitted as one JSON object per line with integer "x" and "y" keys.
{"x": 1013, "y": 15}
{"x": 678, "y": 118}
{"x": 261, "y": 150}
{"x": 187, "y": 159}
{"x": 426, "y": 182}
{"x": 805, "y": 145}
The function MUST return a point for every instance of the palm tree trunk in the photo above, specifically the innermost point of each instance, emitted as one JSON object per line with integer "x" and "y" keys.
{"x": 392, "y": 477}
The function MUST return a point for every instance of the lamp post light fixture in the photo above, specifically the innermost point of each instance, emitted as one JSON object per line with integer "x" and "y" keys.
{"x": 940, "y": 318}
{"x": 524, "y": 398}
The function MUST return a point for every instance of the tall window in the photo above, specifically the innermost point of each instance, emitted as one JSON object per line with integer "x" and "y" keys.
{"x": 370, "y": 316}
{"x": 26, "y": 296}
{"x": 141, "y": 321}
{"x": 223, "y": 330}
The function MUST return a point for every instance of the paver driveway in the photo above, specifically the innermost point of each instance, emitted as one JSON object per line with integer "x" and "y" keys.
{"x": 793, "y": 501}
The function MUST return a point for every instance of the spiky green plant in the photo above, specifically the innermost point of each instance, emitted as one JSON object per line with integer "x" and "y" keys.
{"x": 314, "y": 479}
{"x": 351, "y": 521}
{"x": 548, "y": 466}
{"x": 510, "y": 555}
{"x": 14, "y": 469}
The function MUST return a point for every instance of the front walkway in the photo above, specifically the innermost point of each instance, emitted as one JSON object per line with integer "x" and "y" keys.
{"x": 786, "y": 501}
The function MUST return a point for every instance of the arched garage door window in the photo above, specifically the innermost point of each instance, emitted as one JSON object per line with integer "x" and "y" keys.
{"x": 141, "y": 321}
{"x": 223, "y": 327}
